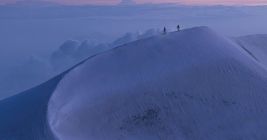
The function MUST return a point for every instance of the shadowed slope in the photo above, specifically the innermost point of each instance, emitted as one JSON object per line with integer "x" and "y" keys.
{"x": 23, "y": 117}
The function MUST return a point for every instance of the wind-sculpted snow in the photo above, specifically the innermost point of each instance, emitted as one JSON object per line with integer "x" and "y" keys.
{"x": 256, "y": 46}
{"x": 187, "y": 85}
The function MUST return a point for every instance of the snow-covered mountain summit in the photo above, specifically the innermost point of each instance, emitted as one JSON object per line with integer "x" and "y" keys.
{"x": 188, "y": 85}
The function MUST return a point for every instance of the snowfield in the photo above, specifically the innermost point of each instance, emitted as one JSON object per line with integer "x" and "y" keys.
{"x": 188, "y": 85}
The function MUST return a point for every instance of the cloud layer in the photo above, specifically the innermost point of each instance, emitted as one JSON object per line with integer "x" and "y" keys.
{"x": 109, "y": 2}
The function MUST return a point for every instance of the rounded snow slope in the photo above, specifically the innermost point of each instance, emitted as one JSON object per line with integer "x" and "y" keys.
{"x": 24, "y": 116}
{"x": 188, "y": 85}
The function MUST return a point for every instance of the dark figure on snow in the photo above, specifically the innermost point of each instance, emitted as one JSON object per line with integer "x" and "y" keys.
{"x": 164, "y": 30}
{"x": 178, "y": 27}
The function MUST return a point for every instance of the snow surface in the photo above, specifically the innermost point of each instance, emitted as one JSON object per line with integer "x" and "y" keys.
{"x": 24, "y": 116}
{"x": 188, "y": 85}
{"x": 256, "y": 46}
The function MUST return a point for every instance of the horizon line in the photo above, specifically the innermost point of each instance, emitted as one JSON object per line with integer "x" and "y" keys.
{"x": 119, "y": 4}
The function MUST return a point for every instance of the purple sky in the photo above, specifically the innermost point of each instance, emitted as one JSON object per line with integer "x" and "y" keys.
{"x": 202, "y": 2}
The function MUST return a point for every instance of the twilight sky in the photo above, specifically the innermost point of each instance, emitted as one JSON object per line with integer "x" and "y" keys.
{"x": 198, "y": 2}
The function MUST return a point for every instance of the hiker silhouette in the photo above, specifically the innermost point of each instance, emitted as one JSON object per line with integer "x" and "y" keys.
{"x": 164, "y": 30}
{"x": 178, "y": 27}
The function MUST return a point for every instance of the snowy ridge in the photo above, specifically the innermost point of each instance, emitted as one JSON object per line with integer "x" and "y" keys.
{"x": 188, "y": 85}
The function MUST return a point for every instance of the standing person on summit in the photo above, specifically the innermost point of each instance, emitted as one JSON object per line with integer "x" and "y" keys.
{"x": 164, "y": 30}
{"x": 178, "y": 27}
